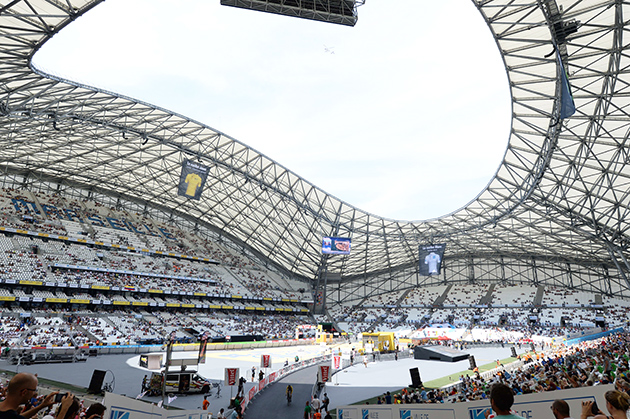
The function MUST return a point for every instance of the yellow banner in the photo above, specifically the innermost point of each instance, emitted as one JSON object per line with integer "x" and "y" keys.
{"x": 74, "y": 301}
{"x": 29, "y": 282}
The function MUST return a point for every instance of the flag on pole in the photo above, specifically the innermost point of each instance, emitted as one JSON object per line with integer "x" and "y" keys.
{"x": 201, "y": 357}
{"x": 336, "y": 362}
{"x": 567, "y": 105}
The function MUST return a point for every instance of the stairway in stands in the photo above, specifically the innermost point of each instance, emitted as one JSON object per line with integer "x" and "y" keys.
{"x": 487, "y": 298}
{"x": 540, "y": 292}
{"x": 440, "y": 300}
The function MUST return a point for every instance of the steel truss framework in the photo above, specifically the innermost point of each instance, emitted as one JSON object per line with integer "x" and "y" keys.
{"x": 555, "y": 212}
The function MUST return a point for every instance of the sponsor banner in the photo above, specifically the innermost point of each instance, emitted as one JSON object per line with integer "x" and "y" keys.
{"x": 262, "y": 384}
{"x": 272, "y": 377}
{"x": 324, "y": 373}
{"x": 348, "y": 412}
{"x": 121, "y": 407}
{"x": 231, "y": 376}
{"x": 252, "y": 392}
{"x": 336, "y": 362}
{"x": 265, "y": 361}
{"x": 374, "y": 412}
{"x": 425, "y": 411}
{"x": 29, "y": 282}
{"x": 528, "y": 406}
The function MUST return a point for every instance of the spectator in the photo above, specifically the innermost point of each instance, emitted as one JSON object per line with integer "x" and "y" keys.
{"x": 241, "y": 384}
{"x": 69, "y": 407}
{"x": 307, "y": 411}
{"x": 325, "y": 402}
{"x": 617, "y": 404}
{"x": 95, "y": 411}
{"x": 315, "y": 404}
{"x": 19, "y": 391}
{"x": 501, "y": 401}
{"x": 560, "y": 409}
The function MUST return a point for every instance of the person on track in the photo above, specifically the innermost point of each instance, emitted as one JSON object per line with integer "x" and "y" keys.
{"x": 289, "y": 393}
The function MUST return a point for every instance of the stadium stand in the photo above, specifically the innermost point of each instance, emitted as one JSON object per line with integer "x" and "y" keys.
{"x": 126, "y": 291}
{"x": 540, "y": 252}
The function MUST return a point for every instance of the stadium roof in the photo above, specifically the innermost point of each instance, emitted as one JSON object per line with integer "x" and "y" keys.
{"x": 559, "y": 199}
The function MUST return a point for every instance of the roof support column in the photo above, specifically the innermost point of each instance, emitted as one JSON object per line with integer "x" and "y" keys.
{"x": 611, "y": 252}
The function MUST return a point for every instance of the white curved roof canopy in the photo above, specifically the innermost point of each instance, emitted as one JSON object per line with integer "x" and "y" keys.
{"x": 554, "y": 213}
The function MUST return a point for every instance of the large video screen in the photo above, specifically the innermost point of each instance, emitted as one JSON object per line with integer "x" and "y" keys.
{"x": 336, "y": 246}
{"x": 430, "y": 259}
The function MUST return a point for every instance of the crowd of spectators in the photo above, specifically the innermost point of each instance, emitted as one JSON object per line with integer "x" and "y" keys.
{"x": 591, "y": 363}
{"x": 595, "y": 362}
{"x": 118, "y": 327}
{"x": 20, "y": 398}
{"x": 29, "y": 217}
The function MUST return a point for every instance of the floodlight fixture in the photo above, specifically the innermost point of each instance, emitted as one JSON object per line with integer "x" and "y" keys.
{"x": 563, "y": 28}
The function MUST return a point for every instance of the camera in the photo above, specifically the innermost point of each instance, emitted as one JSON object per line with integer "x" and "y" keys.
{"x": 594, "y": 408}
{"x": 59, "y": 397}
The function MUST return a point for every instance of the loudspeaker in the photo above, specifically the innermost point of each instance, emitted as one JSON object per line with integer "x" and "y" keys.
{"x": 473, "y": 364}
{"x": 96, "y": 383}
{"x": 513, "y": 352}
{"x": 416, "y": 382}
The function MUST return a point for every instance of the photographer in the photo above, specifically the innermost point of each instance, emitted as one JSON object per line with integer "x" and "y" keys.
{"x": 617, "y": 404}
{"x": 19, "y": 391}
{"x": 68, "y": 408}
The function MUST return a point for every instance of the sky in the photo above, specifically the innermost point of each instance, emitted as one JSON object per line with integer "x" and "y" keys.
{"x": 406, "y": 115}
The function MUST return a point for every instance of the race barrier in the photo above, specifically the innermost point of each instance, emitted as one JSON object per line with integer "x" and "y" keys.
{"x": 529, "y": 406}
{"x": 278, "y": 374}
